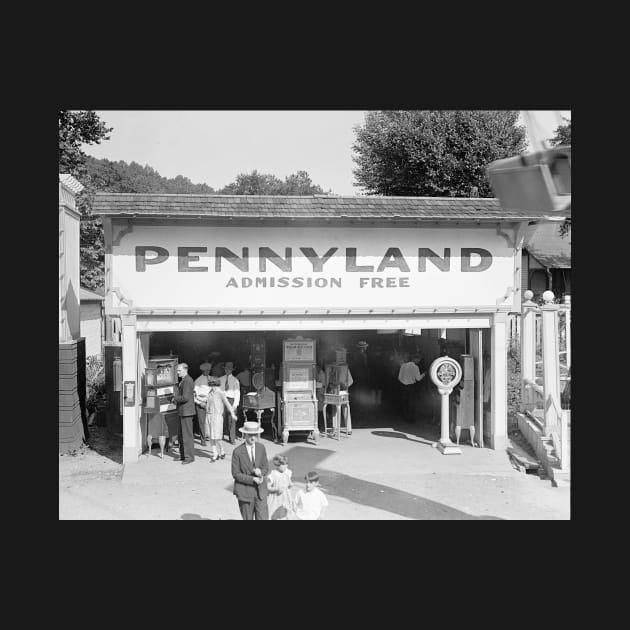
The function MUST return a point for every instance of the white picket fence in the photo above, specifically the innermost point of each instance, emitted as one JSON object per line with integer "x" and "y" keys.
{"x": 541, "y": 406}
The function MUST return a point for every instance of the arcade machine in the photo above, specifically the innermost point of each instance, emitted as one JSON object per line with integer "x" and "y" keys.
{"x": 338, "y": 380}
{"x": 298, "y": 375}
{"x": 262, "y": 398}
{"x": 160, "y": 383}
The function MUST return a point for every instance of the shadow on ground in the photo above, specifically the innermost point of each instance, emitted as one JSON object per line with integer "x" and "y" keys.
{"x": 105, "y": 443}
{"x": 303, "y": 459}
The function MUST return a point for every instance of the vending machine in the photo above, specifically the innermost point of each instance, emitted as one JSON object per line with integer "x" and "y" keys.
{"x": 159, "y": 384}
{"x": 298, "y": 375}
{"x": 165, "y": 367}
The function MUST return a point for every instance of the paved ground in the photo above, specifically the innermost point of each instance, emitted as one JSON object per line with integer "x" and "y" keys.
{"x": 378, "y": 473}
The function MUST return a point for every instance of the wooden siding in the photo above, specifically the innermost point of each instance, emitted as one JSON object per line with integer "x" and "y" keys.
{"x": 91, "y": 327}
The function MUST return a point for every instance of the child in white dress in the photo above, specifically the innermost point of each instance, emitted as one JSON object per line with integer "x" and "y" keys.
{"x": 310, "y": 504}
{"x": 279, "y": 501}
{"x": 215, "y": 404}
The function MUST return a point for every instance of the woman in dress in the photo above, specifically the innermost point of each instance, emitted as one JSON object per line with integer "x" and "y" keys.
{"x": 279, "y": 500}
{"x": 215, "y": 404}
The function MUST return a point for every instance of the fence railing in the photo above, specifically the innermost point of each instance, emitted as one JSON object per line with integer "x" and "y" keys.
{"x": 545, "y": 340}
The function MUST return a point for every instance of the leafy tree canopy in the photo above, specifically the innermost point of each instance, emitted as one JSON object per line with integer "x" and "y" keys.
{"x": 75, "y": 129}
{"x": 256, "y": 183}
{"x": 107, "y": 176}
{"x": 563, "y": 134}
{"x": 433, "y": 153}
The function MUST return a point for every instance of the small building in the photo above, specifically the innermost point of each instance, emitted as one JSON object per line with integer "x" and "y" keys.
{"x": 185, "y": 273}
{"x": 92, "y": 311}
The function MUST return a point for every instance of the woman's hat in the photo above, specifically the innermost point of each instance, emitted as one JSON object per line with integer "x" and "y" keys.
{"x": 251, "y": 427}
{"x": 214, "y": 380}
{"x": 205, "y": 366}
{"x": 362, "y": 344}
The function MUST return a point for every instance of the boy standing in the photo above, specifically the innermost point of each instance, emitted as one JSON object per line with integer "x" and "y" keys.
{"x": 310, "y": 505}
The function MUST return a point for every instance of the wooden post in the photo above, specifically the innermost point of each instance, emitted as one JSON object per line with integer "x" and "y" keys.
{"x": 498, "y": 375}
{"x": 131, "y": 421}
{"x": 528, "y": 351}
{"x": 551, "y": 369}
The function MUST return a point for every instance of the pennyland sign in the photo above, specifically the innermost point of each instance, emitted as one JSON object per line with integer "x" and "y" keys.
{"x": 245, "y": 267}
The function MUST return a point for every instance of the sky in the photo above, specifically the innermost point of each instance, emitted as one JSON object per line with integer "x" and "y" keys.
{"x": 213, "y": 147}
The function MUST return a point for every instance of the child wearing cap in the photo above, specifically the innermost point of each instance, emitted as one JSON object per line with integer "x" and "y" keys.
{"x": 216, "y": 403}
{"x": 279, "y": 500}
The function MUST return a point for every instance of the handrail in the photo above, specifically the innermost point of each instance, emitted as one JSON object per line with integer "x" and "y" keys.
{"x": 537, "y": 388}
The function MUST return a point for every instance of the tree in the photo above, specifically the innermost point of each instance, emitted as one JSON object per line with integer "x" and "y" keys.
{"x": 563, "y": 134}
{"x": 300, "y": 184}
{"x": 75, "y": 129}
{"x": 433, "y": 153}
{"x": 256, "y": 183}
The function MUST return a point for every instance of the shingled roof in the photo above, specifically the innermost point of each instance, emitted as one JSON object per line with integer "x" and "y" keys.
{"x": 312, "y": 207}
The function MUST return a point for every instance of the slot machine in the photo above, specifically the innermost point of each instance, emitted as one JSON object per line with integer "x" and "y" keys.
{"x": 298, "y": 375}
{"x": 165, "y": 367}
{"x": 165, "y": 370}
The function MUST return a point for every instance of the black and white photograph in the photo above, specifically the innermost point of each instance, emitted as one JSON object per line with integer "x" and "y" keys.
{"x": 314, "y": 314}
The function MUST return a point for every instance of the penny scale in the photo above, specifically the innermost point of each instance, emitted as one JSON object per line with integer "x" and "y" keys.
{"x": 298, "y": 407}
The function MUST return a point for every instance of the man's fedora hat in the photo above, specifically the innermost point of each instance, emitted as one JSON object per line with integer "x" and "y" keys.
{"x": 205, "y": 366}
{"x": 251, "y": 427}
{"x": 362, "y": 344}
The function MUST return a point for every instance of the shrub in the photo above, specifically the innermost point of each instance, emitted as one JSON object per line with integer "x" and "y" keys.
{"x": 94, "y": 382}
{"x": 514, "y": 377}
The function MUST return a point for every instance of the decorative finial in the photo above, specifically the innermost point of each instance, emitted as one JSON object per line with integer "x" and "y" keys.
{"x": 528, "y": 295}
{"x": 548, "y": 297}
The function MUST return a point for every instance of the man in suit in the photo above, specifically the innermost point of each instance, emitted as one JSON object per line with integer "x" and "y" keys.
{"x": 250, "y": 468}
{"x": 184, "y": 398}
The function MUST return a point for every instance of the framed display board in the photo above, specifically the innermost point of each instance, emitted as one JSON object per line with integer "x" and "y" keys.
{"x": 298, "y": 377}
{"x": 298, "y": 350}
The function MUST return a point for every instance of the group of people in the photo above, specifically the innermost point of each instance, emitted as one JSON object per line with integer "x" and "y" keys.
{"x": 214, "y": 401}
{"x": 261, "y": 494}
{"x": 266, "y": 495}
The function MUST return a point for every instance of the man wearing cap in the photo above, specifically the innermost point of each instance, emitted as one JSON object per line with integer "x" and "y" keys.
{"x": 250, "y": 468}
{"x": 201, "y": 395}
{"x": 232, "y": 388}
{"x": 184, "y": 399}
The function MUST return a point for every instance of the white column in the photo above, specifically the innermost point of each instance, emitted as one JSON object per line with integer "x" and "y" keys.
{"x": 444, "y": 409}
{"x": 528, "y": 350}
{"x": 498, "y": 377}
{"x": 567, "y": 333}
{"x": 551, "y": 363}
{"x": 131, "y": 424}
